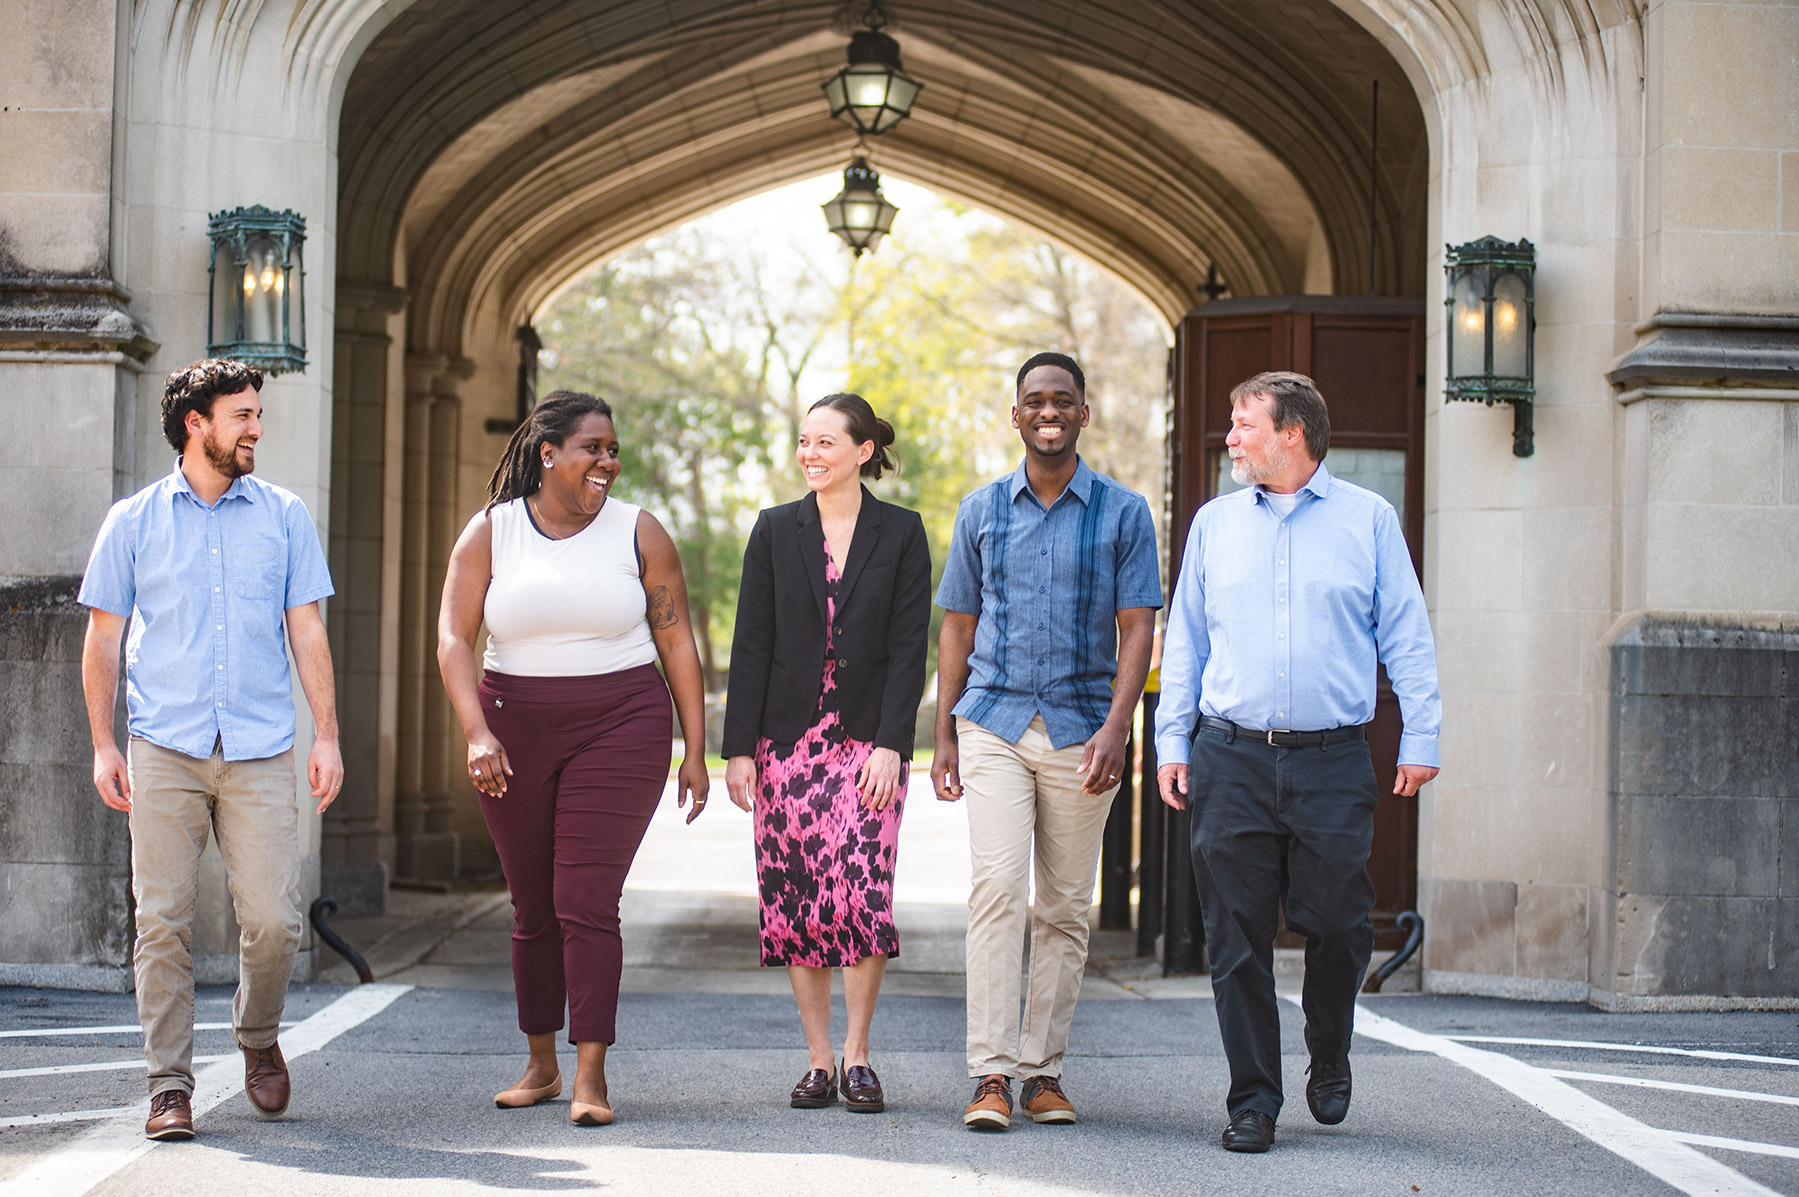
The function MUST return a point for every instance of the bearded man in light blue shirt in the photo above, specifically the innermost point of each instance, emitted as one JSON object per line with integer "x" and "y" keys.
{"x": 1289, "y": 593}
{"x": 217, "y": 573}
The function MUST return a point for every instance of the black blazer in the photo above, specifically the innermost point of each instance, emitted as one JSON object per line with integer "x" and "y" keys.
{"x": 883, "y": 622}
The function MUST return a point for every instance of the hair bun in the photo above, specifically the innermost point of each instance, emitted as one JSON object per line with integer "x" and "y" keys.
{"x": 883, "y": 433}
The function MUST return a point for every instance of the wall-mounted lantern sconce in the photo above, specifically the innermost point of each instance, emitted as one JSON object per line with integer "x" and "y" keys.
{"x": 872, "y": 93}
{"x": 258, "y": 311}
{"x": 859, "y": 213}
{"x": 1491, "y": 304}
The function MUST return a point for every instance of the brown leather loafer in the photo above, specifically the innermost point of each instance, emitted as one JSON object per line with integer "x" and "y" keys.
{"x": 816, "y": 1090}
{"x": 862, "y": 1090}
{"x": 171, "y": 1116}
{"x": 265, "y": 1080}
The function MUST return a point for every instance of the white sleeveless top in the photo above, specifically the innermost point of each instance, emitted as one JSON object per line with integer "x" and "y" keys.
{"x": 566, "y": 608}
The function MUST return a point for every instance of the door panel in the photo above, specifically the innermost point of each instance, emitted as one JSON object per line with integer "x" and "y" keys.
{"x": 1367, "y": 356}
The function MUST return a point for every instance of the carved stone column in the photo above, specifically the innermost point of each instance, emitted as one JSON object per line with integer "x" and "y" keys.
{"x": 357, "y": 848}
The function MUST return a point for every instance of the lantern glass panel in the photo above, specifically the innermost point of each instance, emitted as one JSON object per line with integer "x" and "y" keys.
{"x": 264, "y": 281}
{"x": 225, "y": 293}
{"x": 901, "y": 91}
{"x": 1510, "y": 317}
{"x": 867, "y": 87}
{"x": 1468, "y": 337}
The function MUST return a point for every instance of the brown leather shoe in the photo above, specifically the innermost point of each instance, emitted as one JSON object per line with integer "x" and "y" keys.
{"x": 991, "y": 1109}
{"x": 817, "y": 1089}
{"x": 171, "y": 1116}
{"x": 265, "y": 1080}
{"x": 1043, "y": 1099}
{"x": 862, "y": 1090}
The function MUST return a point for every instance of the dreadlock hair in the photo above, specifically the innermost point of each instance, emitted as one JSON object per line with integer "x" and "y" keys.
{"x": 864, "y": 426}
{"x": 555, "y": 417}
{"x": 193, "y": 388}
{"x": 1054, "y": 359}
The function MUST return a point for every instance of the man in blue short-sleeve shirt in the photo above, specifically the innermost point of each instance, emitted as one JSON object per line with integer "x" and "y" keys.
{"x": 216, "y": 573}
{"x": 1049, "y": 599}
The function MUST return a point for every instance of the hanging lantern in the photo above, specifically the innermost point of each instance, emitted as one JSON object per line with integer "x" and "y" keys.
{"x": 872, "y": 94}
{"x": 1491, "y": 302}
{"x": 859, "y": 213}
{"x": 258, "y": 313}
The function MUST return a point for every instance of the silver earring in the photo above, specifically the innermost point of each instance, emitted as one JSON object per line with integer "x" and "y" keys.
{"x": 547, "y": 463}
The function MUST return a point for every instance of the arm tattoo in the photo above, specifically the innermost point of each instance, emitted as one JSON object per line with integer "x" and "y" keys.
{"x": 661, "y": 612}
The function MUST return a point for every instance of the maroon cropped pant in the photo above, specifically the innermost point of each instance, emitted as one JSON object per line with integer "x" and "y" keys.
{"x": 589, "y": 759}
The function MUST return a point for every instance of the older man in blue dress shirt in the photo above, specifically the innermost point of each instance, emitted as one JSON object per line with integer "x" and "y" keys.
{"x": 1049, "y": 597}
{"x": 210, "y": 567}
{"x": 1289, "y": 592}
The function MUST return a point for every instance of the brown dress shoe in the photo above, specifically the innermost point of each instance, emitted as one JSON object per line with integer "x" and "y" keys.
{"x": 991, "y": 1109}
{"x": 817, "y": 1089}
{"x": 265, "y": 1080}
{"x": 171, "y": 1116}
{"x": 862, "y": 1090}
{"x": 1044, "y": 1100}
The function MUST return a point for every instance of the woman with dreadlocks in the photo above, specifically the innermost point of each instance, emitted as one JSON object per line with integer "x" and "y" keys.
{"x": 567, "y": 719}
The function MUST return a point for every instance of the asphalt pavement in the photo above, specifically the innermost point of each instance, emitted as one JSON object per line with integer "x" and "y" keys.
{"x": 393, "y": 1081}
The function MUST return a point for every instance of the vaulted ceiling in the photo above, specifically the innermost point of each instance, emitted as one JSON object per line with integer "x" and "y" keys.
{"x": 489, "y": 152}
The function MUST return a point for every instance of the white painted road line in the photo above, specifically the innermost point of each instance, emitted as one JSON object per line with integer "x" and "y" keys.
{"x": 1607, "y": 1078}
{"x": 102, "y": 1151}
{"x": 1695, "y": 1053}
{"x": 134, "y": 1028}
{"x": 64, "y": 1116}
{"x": 1656, "y": 1152}
{"x": 99, "y": 1066}
{"x": 1743, "y": 1145}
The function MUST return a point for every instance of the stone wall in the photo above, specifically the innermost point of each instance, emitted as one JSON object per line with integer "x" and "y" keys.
{"x": 1703, "y": 896}
{"x": 65, "y": 857}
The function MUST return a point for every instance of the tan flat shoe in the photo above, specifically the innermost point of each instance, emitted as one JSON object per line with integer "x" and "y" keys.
{"x": 514, "y": 1099}
{"x": 583, "y": 1114}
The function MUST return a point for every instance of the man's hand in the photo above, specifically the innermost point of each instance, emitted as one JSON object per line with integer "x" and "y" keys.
{"x": 325, "y": 770}
{"x": 1172, "y": 781}
{"x": 111, "y": 778}
{"x": 1410, "y": 778}
{"x": 946, "y": 775}
{"x": 1103, "y": 762}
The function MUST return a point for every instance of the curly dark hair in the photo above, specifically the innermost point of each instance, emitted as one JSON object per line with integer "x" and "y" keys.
{"x": 555, "y": 417}
{"x": 1054, "y": 359}
{"x": 193, "y": 388}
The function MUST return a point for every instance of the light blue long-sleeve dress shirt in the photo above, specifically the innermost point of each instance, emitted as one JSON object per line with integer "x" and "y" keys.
{"x": 1277, "y": 623}
{"x": 207, "y": 590}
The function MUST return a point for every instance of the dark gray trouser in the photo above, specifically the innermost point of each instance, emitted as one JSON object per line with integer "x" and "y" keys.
{"x": 1274, "y": 828}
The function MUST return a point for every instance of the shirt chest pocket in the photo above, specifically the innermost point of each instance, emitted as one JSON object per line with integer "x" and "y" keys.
{"x": 256, "y": 572}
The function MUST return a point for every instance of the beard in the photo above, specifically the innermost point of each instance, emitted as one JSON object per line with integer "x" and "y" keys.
{"x": 1245, "y": 474}
{"x": 222, "y": 456}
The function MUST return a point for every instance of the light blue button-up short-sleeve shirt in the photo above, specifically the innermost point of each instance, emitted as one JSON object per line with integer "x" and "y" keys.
{"x": 1046, "y": 587}
{"x": 207, "y": 589}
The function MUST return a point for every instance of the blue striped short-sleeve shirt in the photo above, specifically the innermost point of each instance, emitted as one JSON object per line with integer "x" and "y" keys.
{"x": 1046, "y": 587}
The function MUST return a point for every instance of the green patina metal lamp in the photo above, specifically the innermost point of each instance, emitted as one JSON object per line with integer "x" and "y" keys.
{"x": 859, "y": 213}
{"x": 1491, "y": 302}
{"x": 258, "y": 311}
{"x": 872, "y": 94}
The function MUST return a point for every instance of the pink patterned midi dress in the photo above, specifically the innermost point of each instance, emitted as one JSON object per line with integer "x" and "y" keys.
{"x": 824, "y": 862}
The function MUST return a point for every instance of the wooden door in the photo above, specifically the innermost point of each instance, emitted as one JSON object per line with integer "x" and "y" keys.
{"x": 1367, "y": 357}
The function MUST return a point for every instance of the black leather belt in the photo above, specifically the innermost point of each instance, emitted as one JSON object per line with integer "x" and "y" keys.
{"x": 1286, "y": 739}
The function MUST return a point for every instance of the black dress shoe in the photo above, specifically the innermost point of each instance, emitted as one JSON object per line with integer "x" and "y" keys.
{"x": 816, "y": 1089}
{"x": 862, "y": 1090}
{"x": 1251, "y": 1130}
{"x": 1327, "y": 1090}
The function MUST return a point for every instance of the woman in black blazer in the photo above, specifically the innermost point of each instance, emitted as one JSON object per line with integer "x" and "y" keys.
{"x": 827, "y": 669}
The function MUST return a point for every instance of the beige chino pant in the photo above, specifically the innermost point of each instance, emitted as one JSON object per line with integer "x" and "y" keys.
{"x": 253, "y": 809}
{"x": 1023, "y": 796}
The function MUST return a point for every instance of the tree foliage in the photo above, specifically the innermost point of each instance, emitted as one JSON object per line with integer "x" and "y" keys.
{"x": 711, "y": 349}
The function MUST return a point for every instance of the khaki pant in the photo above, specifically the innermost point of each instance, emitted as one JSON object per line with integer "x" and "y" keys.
{"x": 1019, "y": 796}
{"x": 252, "y": 808}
